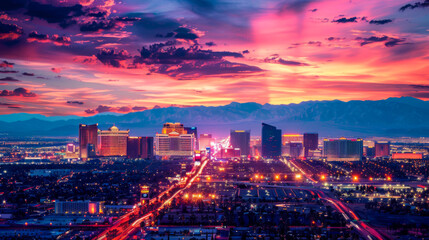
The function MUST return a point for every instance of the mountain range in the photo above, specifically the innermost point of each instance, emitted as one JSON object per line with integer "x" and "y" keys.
{"x": 404, "y": 116}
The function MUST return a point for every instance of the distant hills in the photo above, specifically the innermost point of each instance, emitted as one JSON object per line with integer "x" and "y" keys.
{"x": 405, "y": 116}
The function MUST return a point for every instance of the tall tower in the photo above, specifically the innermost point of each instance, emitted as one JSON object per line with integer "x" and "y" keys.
{"x": 241, "y": 139}
{"x": 311, "y": 142}
{"x": 271, "y": 141}
{"x": 87, "y": 138}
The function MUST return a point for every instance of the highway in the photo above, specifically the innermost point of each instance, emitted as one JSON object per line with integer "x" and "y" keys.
{"x": 365, "y": 231}
{"x": 123, "y": 226}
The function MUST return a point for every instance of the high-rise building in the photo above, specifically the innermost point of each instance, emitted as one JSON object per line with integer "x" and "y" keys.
{"x": 171, "y": 143}
{"x": 147, "y": 147}
{"x": 112, "y": 142}
{"x": 368, "y": 151}
{"x": 193, "y": 130}
{"x": 292, "y": 149}
{"x": 311, "y": 142}
{"x": 134, "y": 147}
{"x": 87, "y": 137}
{"x": 205, "y": 141}
{"x": 291, "y": 137}
{"x": 173, "y": 127}
{"x": 241, "y": 139}
{"x": 382, "y": 149}
{"x": 343, "y": 149}
{"x": 71, "y": 148}
{"x": 78, "y": 207}
{"x": 271, "y": 141}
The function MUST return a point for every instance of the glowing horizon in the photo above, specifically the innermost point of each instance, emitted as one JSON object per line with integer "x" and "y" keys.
{"x": 83, "y": 57}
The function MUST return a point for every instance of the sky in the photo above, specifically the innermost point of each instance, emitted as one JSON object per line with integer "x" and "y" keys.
{"x": 83, "y": 57}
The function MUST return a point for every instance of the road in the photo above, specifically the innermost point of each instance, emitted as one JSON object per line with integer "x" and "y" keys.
{"x": 364, "y": 230}
{"x": 125, "y": 229}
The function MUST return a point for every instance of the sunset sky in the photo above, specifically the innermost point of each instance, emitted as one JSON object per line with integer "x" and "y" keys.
{"x": 82, "y": 57}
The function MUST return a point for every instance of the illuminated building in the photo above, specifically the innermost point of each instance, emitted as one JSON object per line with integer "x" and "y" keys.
{"x": 407, "y": 156}
{"x": 140, "y": 147}
{"x": 271, "y": 141}
{"x": 71, "y": 148}
{"x": 255, "y": 146}
{"x": 382, "y": 149}
{"x": 173, "y": 127}
{"x": 205, "y": 141}
{"x": 193, "y": 130}
{"x": 291, "y": 137}
{"x": 174, "y": 143}
{"x": 78, "y": 207}
{"x": 343, "y": 149}
{"x": 229, "y": 153}
{"x": 311, "y": 142}
{"x": 87, "y": 137}
{"x": 112, "y": 142}
{"x": 292, "y": 149}
{"x": 369, "y": 151}
{"x": 241, "y": 139}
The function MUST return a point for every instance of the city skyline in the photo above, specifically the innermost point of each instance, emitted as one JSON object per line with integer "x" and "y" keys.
{"x": 87, "y": 57}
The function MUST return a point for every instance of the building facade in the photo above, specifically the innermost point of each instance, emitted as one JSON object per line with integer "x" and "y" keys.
{"x": 382, "y": 149}
{"x": 171, "y": 143}
{"x": 310, "y": 142}
{"x": 205, "y": 141}
{"x": 343, "y": 149}
{"x": 241, "y": 139}
{"x": 271, "y": 141}
{"x": 78, "y": 207}
{"x": 292, "y": 137}
{"x": 87, "y": 139}
{"x": 173, "y": 127}
{"x": 113, "y": 142}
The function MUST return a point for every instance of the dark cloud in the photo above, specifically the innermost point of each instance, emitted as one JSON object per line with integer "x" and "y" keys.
{"x": 60, "y": 40}
{"x": 190, "y": 62}
{"x": 111, "y": 58}
{"x": 55, "y": 14}
{"x": 90, "y": 111}
{"x": 9, "y": 105}
{"x": 9, "y": 79}
{"x": 44, "y": 38}
{"x": 334, "y": 39}
{"x": 6, "y": 64}
{"x": 245, "y": 52}
{"x": 296, "y": 6}
{"x": 75, "y": 102}
{"x": 388, "y": 41}
{"x": 11, "y": 5}
{"x": 313, "y": 10}
{"x": 153, "y": 25}
{"x": 345, "y": 20}
{"x": 380, "y": 22}
{"x": 277, "y": 59}
{"x": 426, "y": 87}
{"x": 123, "y": 109}
{"x": 21, "y": 92}
{"x": 315, "y": 43}
{"x": 37, "y": 36}
{"x": 137, "y": 108}
{"x": 167, "y": 53}
{"x": 56, "y": 70}
{"x": 8, "y": 71}
{"x": 96, "y": 26}
{"x": 185, "y": 33}
{"x": 210, "y": 44}
{"x": 10, "y": 32}
{"x": 28, "y": 74}
{"x": 423, "y": 4}
{"x": 195, "y": 69}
